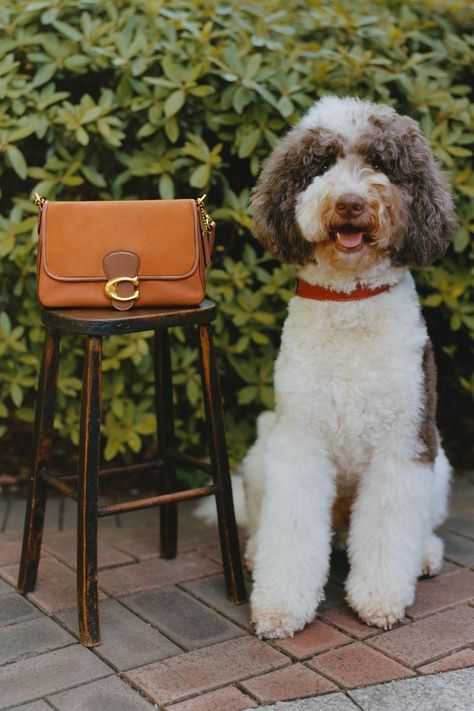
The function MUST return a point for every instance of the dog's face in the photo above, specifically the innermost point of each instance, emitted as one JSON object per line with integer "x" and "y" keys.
{"x": 351, "y": 185}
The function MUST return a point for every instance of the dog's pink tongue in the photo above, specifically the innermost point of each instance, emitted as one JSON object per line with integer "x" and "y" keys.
{"x": 350, "y": 239}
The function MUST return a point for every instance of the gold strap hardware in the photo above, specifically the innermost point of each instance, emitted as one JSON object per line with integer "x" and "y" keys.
{"x": 110, "y": 289}
{"x": 205, "y": 217}
{"x": 39, "y": 201}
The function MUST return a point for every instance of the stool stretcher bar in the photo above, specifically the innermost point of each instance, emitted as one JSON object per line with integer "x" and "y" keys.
{"x": 59, "y": 485}
{"x": 187, "y": 461}
{"x": 151, "y": 501}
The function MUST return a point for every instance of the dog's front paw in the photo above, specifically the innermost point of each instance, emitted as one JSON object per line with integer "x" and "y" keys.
{"x": 276, "y": 625}
{"x": 432, "y": 555}
{"x": 383, "y": 607}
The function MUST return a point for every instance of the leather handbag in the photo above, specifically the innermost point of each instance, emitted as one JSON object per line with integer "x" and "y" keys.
{"x": 122, "y": 254}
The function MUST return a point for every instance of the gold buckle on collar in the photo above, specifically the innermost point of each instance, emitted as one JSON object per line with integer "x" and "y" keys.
{"x": 110, "y": 289}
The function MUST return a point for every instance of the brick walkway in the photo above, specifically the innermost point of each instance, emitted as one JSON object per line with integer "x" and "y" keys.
{"x": 171, "y": 639}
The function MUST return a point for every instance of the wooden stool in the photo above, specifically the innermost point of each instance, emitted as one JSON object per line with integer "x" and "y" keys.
{"x": 95, "y": 323}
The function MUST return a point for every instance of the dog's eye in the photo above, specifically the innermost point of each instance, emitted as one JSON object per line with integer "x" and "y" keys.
{"x": 377, "y": 164}
{"x": 325, "y": 165}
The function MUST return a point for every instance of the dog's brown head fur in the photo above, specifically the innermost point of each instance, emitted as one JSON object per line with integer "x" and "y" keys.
{"x": 405, "y": 206}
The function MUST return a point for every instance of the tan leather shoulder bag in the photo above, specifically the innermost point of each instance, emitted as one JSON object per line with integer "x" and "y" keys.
{"x": 123, "y": 253}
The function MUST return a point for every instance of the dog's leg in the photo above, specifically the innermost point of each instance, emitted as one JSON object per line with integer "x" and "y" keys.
{"x": 292, "y": 544}
{"x": 433, "y": 547}
{"x": 251, "y": 471}
{"x": 390, "y": 521}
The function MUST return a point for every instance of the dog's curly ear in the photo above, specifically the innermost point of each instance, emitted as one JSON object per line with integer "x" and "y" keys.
{"x": 285, "y": 174}
{"x": 432, "y": 220}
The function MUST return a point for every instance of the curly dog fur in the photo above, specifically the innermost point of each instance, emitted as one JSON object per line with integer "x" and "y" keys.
{"x": 352, "y": 195}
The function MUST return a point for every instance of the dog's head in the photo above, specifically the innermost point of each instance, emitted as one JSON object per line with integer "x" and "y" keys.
{"x": 353, "y": 183}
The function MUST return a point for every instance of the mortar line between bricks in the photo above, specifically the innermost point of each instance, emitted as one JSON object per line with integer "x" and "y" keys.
{"x": 96, "y": 650}
{"x": 425, "y": 661}
{"x": 363, "y": 642}
{"x": 222, "y": 685}
{"x": 440, "y": 609}
{"x": 152, "y": 587}
{"x": 339, "y": 628}
{"x": 325, "y": 675}
{"x": 56, "y": 691}
{"x": 42, "y": 609}
{"x": 457, "y": 533}
{"x": 64, "y": 561}
{"x": 155, "y": 626}
{"x": 348, "y": 696}
{"x": 138, "y": 691}
{"x": 33, "y": 655}
{"x": 246, "y": 692}
{"x": 209, "y": 605}
{"x": 384, "y": 653}
{"x": 296, "y": 698}
{"x": 455, "y": 562}
{"x": 437, "y": 659}
{"x": 242, "y": 689}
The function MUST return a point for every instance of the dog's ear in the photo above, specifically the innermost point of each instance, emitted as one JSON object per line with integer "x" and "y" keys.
{"x": 302, "y": 155}
{"x": 432, "y": 221}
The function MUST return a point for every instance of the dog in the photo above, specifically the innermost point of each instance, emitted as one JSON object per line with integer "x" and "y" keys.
{"x": 353, "y": 197}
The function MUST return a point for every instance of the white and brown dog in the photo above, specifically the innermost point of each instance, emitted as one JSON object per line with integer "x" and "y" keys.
{"x": 353, "y": 197}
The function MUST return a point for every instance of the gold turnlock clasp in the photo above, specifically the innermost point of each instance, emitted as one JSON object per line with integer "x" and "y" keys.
{"x": 110, "y": 289}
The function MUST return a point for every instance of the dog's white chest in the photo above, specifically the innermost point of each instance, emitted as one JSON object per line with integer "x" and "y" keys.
{"x": 351, "y": 372}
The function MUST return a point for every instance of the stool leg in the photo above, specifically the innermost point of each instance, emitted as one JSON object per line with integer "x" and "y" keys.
{"x": 35, "y": 510}
{"x": 218, "y": 449}
{"x": 89, "y": 450}
{"x": 165, "y": 417}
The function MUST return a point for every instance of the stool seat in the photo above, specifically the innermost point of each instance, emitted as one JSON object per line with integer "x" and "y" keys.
{"x": 95, "y": 324}
{"x": 107, "y": 322}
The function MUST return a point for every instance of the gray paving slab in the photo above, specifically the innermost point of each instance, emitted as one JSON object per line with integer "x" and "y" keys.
{"x": 34, "y": 706}
{"x": 213, "y": 592}
{"x": 110, "y": 694}
{"x": 181, "y": 617}
{"x": 5, "y": 588}
{"x": 330, "y": 702}
{"x": 461, "y": 523}
{"x": 451, "y": 691}
{"x": 126, "y": 640}
{"x": 459, "y": 549}
{"x": 33, "y": 637}
{"x": 33, "y": 678}
{"x": 15, "y": 608}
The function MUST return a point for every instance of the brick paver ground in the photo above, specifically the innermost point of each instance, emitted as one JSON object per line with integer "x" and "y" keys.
{"x": 172, "y": 640}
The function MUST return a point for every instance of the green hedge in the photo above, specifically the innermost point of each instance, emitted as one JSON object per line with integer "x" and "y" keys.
{"x": 148, "y": 98}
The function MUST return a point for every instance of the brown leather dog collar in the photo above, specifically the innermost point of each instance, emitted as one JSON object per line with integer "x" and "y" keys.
{"x": 321, "y": 293}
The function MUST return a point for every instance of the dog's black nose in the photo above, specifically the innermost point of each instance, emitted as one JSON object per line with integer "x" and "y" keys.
{"x": 349, "y": 205}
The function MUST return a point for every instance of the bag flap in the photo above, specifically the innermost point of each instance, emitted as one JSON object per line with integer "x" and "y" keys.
{"x": 76, "y": 236}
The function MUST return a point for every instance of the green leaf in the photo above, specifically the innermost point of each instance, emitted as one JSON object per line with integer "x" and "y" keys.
{"x": 16, "y": 394}
{"x": 461, "y": 239}
{"x": 172, "y": 129}
{"x": 43, "y": 75}
{"x": 285, "y": 106}
{"x": 17, "y": 161}
{"x": 247, "y": 395}
{"x": 166, "y": 187}
{"x": 200, "y": 176}
{"x": 249, "y": 142}
{"x": 174, "y": 103}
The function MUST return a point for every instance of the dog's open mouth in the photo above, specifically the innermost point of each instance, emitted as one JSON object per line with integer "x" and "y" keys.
{"x": 350, "y": 238}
